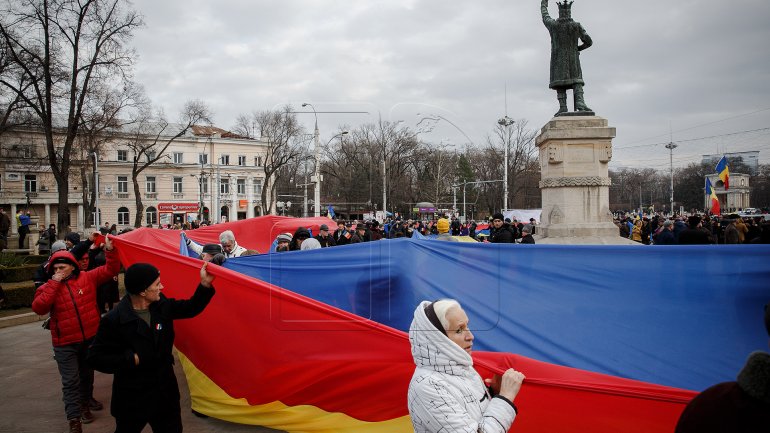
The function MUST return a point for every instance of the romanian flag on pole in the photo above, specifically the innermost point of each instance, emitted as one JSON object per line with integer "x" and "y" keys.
{"x": 714, "y": 201}
{"x": 723, "y": 169}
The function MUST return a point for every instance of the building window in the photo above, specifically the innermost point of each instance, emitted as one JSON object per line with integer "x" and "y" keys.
{"x": 178, "y": 157}
{"x": 241, "y": 183}
{"x": 224, "y": 187}
{"x": 122, "y": 184}
{"x": 205, "y": 185}
{"x": 30, "y": 183}
{"x": 177, "y": 185}
{"x": 151, "y": 215}
{"x": 150, "y": 155}
{"x": 203, "y": 158}
{"x": 224, "y": 159}
{"x": 151, "y": 184}
{"x": 258, "y": 161}
{"x": 93, "y": 216}
{"x": 242, "y": 160}
{"x": 123, "y": 216}
{"x": 123, "y": 156}
{"x": 258, "y": 188}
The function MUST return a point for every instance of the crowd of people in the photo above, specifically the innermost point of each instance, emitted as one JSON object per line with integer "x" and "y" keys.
{"x": 501, "y": 230}
{"x": 694, "y": 229}
{"x": 92, "y": 328}
{"x": 131, "y": 338}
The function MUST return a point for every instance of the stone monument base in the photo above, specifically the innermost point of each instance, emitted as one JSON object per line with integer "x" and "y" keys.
{"x": 574, "y": 153}
{"x": 586, "y": 240}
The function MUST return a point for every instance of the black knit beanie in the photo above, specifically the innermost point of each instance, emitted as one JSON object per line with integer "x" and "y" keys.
{"x": 139, "y": 276}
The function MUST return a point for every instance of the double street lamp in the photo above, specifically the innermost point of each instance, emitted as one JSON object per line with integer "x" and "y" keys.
{"x": 316, "y": 178}
{"x": 671, "y": 146}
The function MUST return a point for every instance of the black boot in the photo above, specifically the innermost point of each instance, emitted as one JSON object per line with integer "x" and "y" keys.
{"x": 76, "y": 426}
{"x": 561, "y": 95}
{"x": 580, "y": 103}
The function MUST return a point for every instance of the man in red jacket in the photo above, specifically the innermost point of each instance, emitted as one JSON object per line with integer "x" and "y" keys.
{"x": 70, "y": 297}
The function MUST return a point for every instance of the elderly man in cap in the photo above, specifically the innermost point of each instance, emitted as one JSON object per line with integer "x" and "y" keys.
{"x": 213, "y": 253}
{"x": 324, "y": 237}
{"x": 70, "y": 298}
{"x": 359, "y": 235}
{"x": 526, "y": 236}
{"x": 134, "y": 343}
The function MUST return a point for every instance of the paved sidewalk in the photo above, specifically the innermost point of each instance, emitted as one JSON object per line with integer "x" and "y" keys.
{"x": 31, "y": 399}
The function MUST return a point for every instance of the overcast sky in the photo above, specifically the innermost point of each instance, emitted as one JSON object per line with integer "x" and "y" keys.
{"x": 699, "y": 68}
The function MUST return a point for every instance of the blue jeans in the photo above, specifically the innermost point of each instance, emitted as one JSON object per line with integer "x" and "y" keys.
{"x": 77, "y": 377}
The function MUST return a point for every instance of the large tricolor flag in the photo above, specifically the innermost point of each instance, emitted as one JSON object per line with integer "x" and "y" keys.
{"x": 314, "y": 341}
{"x": 723, "y": 169}
{"x": 713, "y": 200}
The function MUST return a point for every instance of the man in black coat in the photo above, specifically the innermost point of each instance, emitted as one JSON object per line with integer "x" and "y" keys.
{"x": 500, "y": 232}
{"x": 666, "y": 236}
{"x": 693, "y": 235}
{"x": 324, "y": 237}
{"x": 342, "y": 234}
{"x": 134, "y": 343}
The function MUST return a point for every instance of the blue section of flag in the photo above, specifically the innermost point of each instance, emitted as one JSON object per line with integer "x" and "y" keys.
{"x": 565, "y": 304}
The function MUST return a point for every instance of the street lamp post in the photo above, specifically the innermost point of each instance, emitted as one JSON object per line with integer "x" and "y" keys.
{"x": 317, "y": 176}
{"x": 505, "y": 122}
{"x": 96, "y": 186}
{"x": 671, "y": 146}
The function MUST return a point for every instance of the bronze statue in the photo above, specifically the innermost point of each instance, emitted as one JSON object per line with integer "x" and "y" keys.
{"x": 565, "y": 56}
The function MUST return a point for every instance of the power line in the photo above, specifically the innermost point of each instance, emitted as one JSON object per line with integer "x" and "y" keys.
{"x": 703, "y": 124}
{"x": 695, "y": 139}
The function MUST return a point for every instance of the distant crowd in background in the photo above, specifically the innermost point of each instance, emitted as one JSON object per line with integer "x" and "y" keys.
{"x": 695, "y": 229}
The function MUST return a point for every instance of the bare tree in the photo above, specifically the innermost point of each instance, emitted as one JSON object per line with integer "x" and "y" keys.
{"x": 520, "y": 141}
{"x": 283, "y": 134}
{"x": 101, "y": 124}
{"x": 151, "y": 137}
{"x": 64, "y": 47}
{"x": 13, "y": 111}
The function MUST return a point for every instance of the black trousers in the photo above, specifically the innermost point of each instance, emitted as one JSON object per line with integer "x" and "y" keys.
{"x": 160, "y": 422}
{"x": 23, "y": 231}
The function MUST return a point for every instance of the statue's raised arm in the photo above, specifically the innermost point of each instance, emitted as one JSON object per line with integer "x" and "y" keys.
{"x": 568, "y": 38}
{"x": 544, "y": 11}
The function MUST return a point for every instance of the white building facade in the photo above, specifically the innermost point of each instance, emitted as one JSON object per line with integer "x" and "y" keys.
{"x": 207, "y": 174}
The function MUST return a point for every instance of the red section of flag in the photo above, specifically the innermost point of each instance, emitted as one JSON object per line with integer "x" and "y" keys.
{"x": 265, "y": 344}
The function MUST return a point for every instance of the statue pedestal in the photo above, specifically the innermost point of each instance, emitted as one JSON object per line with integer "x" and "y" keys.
{"x": 574, "y": 152}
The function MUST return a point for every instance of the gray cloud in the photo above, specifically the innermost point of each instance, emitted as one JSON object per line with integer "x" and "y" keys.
{"x": 653, "y": 64}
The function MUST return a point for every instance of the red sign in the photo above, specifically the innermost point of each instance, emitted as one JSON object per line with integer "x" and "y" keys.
{"x": 177, "y": 207}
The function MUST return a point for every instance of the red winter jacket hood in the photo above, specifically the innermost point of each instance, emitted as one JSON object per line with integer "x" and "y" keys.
{"x": 72, "y": 302}
{"x": 62, "y": 256}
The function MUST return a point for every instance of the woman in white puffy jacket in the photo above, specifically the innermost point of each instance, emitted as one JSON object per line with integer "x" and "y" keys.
{"x": 446, "y": 394}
